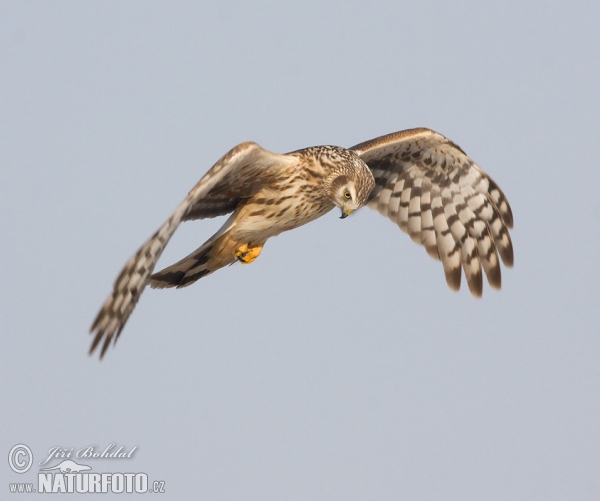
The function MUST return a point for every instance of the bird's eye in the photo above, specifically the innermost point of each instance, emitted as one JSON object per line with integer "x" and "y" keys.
{"x": 347, "y": 195}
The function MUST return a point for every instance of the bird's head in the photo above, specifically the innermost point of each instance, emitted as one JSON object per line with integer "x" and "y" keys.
{"x": 350, "y": 182}
{"x": 344, "y": 192}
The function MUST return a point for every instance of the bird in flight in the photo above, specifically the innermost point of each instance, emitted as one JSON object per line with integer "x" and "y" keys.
{"x": 419, "y": 179}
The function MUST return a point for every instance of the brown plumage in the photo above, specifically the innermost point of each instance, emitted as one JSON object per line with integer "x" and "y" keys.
{"x": 417, "y": 178}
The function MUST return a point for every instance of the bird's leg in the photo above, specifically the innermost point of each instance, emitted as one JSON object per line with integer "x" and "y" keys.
{"x": 245, "y": 254}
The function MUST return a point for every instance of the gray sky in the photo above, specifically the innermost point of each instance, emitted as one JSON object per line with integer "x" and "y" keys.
{"x": 338, "y": 365}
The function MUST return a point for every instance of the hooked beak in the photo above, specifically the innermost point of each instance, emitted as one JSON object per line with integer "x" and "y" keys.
{"x": 345, "y": 213}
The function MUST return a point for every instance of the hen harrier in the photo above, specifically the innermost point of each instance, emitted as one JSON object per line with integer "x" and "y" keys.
{"x": 418, "y": 178}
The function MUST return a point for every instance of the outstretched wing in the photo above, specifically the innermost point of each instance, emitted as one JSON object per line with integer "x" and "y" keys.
{"x": 237, "y": 175}
{"x": 430, "y": 187}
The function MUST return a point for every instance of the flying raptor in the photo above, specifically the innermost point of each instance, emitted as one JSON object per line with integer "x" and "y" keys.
{"x": 418, "y": 178}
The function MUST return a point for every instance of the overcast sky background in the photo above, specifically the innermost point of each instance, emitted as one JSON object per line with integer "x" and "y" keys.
{"x": 338, "y": 365}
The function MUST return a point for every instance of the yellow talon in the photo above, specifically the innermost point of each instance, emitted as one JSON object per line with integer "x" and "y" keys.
{"x": 246, "y": 255}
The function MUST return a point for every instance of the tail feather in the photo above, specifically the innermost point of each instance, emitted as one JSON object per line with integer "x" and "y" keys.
{"x": 212, "y": 255}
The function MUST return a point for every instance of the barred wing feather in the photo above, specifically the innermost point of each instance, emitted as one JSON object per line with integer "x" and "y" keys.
{"x": 434, "y": 192}
{"x": 235, "y": 176}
